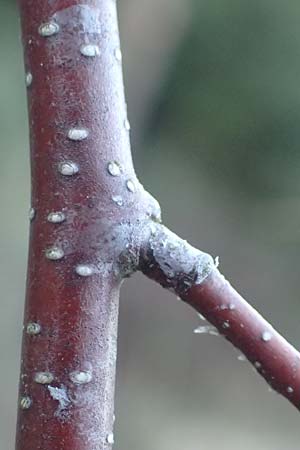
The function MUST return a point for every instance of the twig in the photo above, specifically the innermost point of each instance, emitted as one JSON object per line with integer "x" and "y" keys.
{"x": 192, "y": 275}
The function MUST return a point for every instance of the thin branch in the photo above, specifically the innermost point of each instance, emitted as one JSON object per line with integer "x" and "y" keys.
{"x": 193, "y": 276}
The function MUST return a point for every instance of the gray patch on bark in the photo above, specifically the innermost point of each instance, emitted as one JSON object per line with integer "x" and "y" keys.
{"x": 182, "y": 264}
{"x": 61, "y": 395}
{"x": 84, "y": 18}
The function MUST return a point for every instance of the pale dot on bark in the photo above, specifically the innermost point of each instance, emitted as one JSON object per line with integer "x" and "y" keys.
{"x": 266, "y": 336}
{"x": 84, "y": 270}
{"x": 78, "y": 134}
{"x": 130, "y": 185}
{"x": 114, "y": 168}
{"x": 80, "y": 377}
{"x": 54, "y": 253}
{"x": 90, "y": 50}
{"x": 28, "y": 79}
{"x": 118, "y": 200}
{"x": 48, "y": 29}
{"x": 118, "y": 54}
{"x": 110, "y": 438}
{"x": 127, "y": 125}
{"x": 31, "y": 213}
{"x": 43, "y": 377}
{"x": 33, "y": 328}
{"x": 56, "y": 217}
{"x": 68, "y": 168}
{"x": 25, "y": 402}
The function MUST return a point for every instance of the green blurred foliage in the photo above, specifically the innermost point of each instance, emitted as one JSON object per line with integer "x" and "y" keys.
{"x": 232, "y": 99}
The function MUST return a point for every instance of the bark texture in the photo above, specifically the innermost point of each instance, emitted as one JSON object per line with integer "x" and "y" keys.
{"x": 92, "y": 224}
{"x": 84, "y": 193}
{"x": 193, "y": 276}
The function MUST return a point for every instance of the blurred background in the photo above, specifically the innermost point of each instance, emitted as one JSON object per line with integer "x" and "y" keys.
{"x": 213, "y": 90}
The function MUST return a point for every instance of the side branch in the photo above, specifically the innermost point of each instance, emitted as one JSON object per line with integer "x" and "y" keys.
{"x": 193, "y": 276}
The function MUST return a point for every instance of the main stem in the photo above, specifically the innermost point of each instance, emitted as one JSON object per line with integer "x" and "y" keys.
{"x": 83, "y": 189}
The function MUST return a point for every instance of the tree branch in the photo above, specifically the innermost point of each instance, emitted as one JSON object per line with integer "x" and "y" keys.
{"x": 83, "y": 187}
{"x": 193, "y": 276}
{"x": 92, "y": 224}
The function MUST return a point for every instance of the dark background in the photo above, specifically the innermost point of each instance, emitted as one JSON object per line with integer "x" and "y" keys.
{"x": 213, "y": 89}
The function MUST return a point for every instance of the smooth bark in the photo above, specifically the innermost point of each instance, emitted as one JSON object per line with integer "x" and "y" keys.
{"x": 92, "y": 224}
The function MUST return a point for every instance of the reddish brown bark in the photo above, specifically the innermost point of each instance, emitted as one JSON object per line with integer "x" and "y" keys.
{"x": 193, "y": 276}
{"x": 92, "y": 224}
{"x": 83, "y": 190}
{"x": 272, "y": 356}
